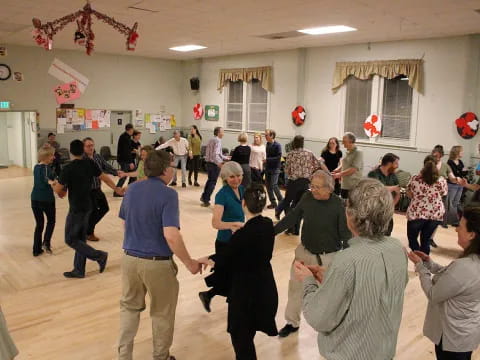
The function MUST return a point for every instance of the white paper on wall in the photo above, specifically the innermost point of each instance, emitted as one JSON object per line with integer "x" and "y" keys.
{"x": 65, "y": 73}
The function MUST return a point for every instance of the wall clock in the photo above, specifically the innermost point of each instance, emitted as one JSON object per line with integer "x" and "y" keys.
{"x": 5, "y": 72}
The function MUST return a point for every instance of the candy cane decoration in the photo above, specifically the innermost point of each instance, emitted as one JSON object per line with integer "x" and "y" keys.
{"x": 197, "y": 111}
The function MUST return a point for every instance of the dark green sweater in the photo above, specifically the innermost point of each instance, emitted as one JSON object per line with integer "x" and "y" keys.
{"x": 42, "y": 191}
{"x": 324, "y": 226}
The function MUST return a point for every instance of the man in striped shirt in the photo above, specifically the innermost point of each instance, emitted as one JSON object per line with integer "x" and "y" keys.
{"x": 357, "y": 307}
{"x": 100, "y": 203}
{"x": 214, "y": 160}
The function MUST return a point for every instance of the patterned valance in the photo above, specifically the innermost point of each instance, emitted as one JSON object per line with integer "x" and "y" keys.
{"x": 411, "y": 68}
{"x": 263, "y": 74}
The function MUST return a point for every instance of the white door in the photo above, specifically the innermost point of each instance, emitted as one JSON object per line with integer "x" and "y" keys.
{"x": 118, "y": 120}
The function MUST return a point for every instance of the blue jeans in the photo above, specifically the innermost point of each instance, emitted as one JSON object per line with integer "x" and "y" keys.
{"x": 426, "y": 228}
{"x": 213, "y": 171}
{"x": 182, "y": 159}
{"x": 76, "y": 237}
{"x": 271, "y": 177}
{"x": 453, "y": 201}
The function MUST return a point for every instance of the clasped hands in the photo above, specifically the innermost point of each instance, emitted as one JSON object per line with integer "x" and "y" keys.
{"x": 303, "y": 271}
{"x": 418, "y": 256}
{"x": 199, "y": 265}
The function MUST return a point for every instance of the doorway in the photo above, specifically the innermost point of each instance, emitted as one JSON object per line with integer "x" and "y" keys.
{"x": 18, "y": 139}
{"x": 118, "y": 120}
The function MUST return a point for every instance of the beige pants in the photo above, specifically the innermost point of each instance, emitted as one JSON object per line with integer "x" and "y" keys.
{"x": 158, "y": 278}
{"x": 295, "y": 287}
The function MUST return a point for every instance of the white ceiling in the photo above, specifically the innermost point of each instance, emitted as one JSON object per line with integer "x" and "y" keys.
{"x": 229, "y": 27}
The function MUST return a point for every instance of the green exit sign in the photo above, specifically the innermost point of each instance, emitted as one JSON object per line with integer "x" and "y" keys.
{"x": 4, "y": 104}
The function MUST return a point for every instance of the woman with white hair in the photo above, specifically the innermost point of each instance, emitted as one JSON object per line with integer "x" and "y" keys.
{"x": 228, "y": 217}
{"x": 357, "y": 304}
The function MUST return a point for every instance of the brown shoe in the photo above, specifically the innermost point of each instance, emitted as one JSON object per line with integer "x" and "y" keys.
{"x": 92, "y": 238}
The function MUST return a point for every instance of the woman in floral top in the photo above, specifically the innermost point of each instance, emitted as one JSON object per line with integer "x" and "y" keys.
{"x": 426, "y": 208}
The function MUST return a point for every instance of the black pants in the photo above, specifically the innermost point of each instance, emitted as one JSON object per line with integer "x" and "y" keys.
{"x": 213, "y": 172}
{"x": 242, "y": 341}
{"x": 194, "y": 166}
{"x": 39, "y": 208}
{"x": 100, "y": 208}
{"x": 295, "y": 190}
{"x": 247, "y": 175}
{"x": 76, "y": 237}
{"x": 390, "y": 228}
{"x": 425, "y": 228}
{"x": 256, "y": 176}
{"x": 449, "y": 355}
{"x": 344, "y": 194}
{"x": 125, "y": 167}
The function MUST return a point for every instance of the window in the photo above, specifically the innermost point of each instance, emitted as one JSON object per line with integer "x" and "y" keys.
{"x": 392, "y": 99}
{"x": 246, "y": 106}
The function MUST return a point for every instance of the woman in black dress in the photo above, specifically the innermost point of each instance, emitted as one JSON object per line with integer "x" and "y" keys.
{"x": 252, "y": 296}
{"x": 241, "y": 155}
{"x": 333, "y": 156}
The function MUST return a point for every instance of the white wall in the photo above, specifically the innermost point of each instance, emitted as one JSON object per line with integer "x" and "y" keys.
{"x": 116, "y": 83}
{"x": 4, "y": 160}
{"x": 451, "y": 87}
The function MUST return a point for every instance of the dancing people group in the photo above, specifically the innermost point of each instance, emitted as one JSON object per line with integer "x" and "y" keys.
{"x": 348, "y": 275}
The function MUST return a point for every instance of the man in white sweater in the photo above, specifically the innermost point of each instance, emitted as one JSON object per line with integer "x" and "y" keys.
{"x": 180, "y": 150}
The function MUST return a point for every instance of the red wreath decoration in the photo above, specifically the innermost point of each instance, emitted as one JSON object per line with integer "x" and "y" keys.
{"x": 84, "y": 36}
{"x": 299, "y": 115}
{"x": 370, "y": 127}
{"x": 197, "y": 111}
{"x": 467, "y": 125}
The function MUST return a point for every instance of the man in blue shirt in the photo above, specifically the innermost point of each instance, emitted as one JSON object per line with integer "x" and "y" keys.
{"x": 151, "y": 214}
{"x": 214, "y": 159}
{"x": 272, "y": 169}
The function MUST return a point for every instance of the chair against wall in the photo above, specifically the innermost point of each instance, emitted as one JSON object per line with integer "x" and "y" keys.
{"x": 106, "y": 153}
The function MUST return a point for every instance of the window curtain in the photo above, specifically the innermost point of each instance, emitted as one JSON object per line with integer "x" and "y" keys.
{"x": 263, "y": 74}
{"x": 412, "y": 68}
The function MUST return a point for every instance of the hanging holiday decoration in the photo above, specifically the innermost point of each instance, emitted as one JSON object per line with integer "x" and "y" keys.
{"x": 373, "y": 126}
{"x": 467, "y": 125}
{"x": 299, "y": 115}
{"x": 43, "y": 33}
{"x": 197, "y": 111}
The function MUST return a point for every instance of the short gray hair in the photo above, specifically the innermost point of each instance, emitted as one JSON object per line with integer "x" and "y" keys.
{"x": 176, "y": 132}
{"x": 230, "y": 168}
{"x": 350, "y": 136}
{"x": 370, "y": 208}
{"x": 326, "y": 178}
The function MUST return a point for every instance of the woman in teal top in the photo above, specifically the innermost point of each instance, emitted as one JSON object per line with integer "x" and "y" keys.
{"x": 43, "y": 201}
{"x": 228, "y": 217}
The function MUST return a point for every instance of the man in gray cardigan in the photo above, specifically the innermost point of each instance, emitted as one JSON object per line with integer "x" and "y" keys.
{"x": 324, "y": 232}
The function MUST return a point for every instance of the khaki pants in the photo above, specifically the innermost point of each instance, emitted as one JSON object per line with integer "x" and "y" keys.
{"x": 295, "y": 287}
{"x": 158, "y": 279}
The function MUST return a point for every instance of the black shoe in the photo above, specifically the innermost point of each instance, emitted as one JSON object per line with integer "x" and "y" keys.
{"x": 190, "y": 182}
{"x": 38, "y": 253}
{"x": 205, "y": 299}
{"x": 73, "y": 274}
{"x": 103, "y": 262}
{"x": 445, "y": 226}
{"x": 173, "y": 183}
{"x": 277, "y": 215}
{"x": 287, "y": 330}
{"x": 205, "y": 204}
{"x": 184, "y": 185}
{"x": 271, "y": 206}
{"x": 47, "y": 249}
{"x": 433, "y": 243}
{"x": 196, "y": 184}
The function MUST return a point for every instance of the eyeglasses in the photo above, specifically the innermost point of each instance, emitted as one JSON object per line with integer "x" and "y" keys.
{"x": 317, "y": 187}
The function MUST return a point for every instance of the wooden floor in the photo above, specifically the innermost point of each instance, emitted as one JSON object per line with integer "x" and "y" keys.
{"x": 53, "y": 318}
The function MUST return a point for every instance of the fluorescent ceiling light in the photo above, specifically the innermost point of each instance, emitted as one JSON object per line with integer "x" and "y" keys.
{"x": 327, "y": 30}
{"x": 186, "y": 48}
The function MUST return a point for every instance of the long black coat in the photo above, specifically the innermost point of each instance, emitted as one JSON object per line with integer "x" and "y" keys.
{"x": 252, "y": 296}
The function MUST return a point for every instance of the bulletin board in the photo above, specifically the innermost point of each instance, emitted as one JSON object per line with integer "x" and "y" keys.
{"x": 82, "y": 119}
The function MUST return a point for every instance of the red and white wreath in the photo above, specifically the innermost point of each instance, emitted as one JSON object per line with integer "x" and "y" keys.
{"x": 373, "y": 126}
{"x": 197, "y": 111}
{"x": 299, "y": 115}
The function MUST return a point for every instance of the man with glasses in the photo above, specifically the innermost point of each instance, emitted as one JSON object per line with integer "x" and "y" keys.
{"x": 324, "y": 232}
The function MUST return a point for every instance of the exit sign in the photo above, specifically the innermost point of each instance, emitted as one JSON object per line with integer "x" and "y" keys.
{"x": 4, "y": 104}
